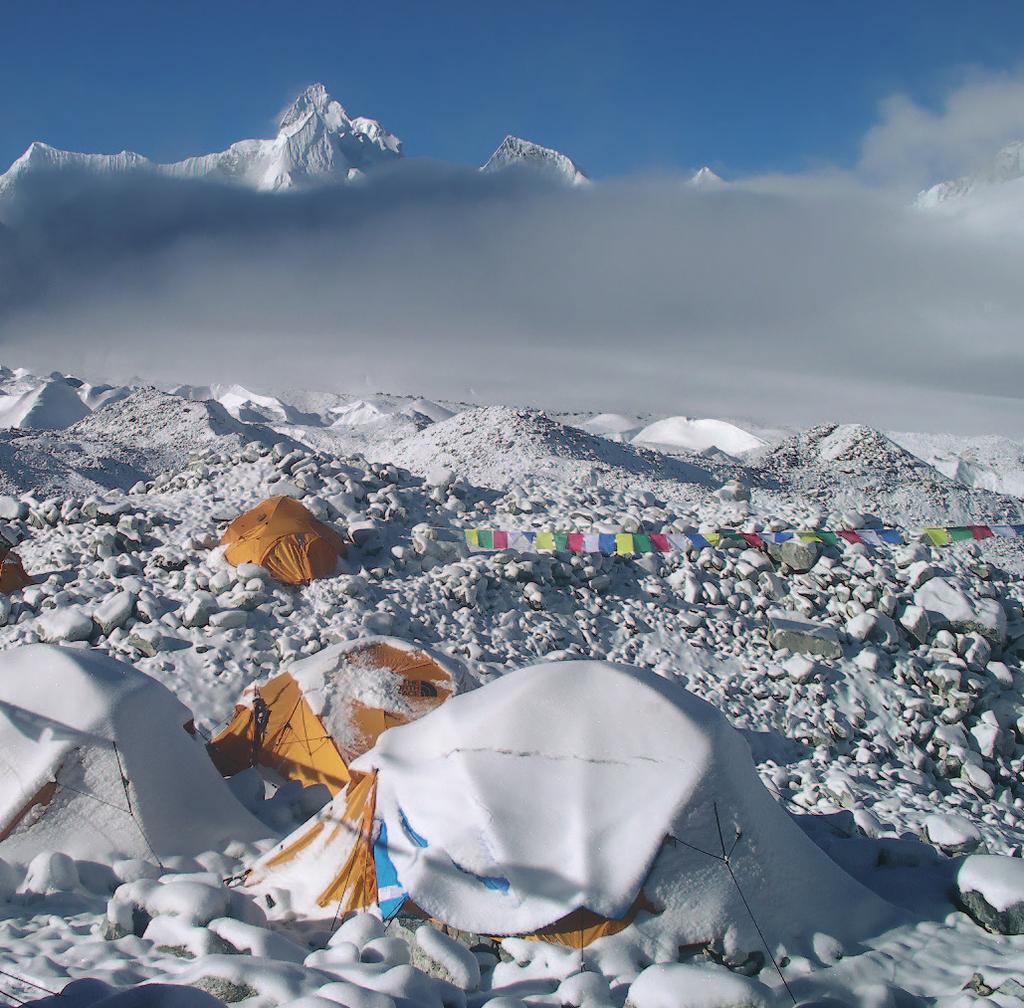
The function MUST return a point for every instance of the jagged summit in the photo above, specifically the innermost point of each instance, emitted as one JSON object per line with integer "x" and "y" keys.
{"x": 705, "y": 178}
{"x": 317, "y": 141}
{"x": 1006, "y": 167}
{"x": 514, "y": 152}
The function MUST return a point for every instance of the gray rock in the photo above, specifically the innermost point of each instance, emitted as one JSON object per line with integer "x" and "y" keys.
{"x": 791, "y": 631}
{"x": 147, "y": 641}
{"x": 57, "y": 626}
{"x": 229, "y": 619}
{"x": 915, "y": 621}
{"x": 798, "y": 556}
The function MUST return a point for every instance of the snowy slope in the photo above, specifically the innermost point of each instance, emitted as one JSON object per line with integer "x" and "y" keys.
{"x": 51, "y": 405}
{"x": 317, "y": 141}
{"x": 514, "y": 152}
{"x": 988, "y": 462}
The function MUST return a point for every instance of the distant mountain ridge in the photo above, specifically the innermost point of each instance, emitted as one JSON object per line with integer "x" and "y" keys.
{"x": 317, "y": 141}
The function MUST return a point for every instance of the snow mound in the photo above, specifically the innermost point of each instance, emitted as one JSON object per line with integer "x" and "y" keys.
{"x": 856, "y": 467}
{"x": 360, "y": 412}
{"x": 250, "y": 407}
{"x": 613, "y": 426}
{"x": 698, "y": 435}
{"x": 70, "y": 720}
{"x": 498, "y": 446}
{"x": 570, "y": 784}
{"x": 133, "y": 438}
{"x": 52, "y": 405}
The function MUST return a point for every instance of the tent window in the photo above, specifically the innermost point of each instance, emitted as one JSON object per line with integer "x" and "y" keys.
{"x": 417, "y": 688}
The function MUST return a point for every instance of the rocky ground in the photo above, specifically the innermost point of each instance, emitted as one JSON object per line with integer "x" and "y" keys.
{"x": 880, "y": 689}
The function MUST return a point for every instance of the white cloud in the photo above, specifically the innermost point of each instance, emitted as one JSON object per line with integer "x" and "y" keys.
{"x": 915, "y": 146}
{"x": 774, "y": 301}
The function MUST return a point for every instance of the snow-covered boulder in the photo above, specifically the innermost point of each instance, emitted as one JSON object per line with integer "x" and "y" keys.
{"x": 686, "y": 985}
{"x": 948, "y": 604}
{"x": 990, "y": 888}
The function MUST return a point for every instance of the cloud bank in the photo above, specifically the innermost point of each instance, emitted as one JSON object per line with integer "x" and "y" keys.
{"x": 784, "y": 301}
{"x": 915, "y": 146}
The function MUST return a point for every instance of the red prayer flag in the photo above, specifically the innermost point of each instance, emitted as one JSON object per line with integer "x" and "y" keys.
{"x": 660, "y": 543}
{"x": 849, "y": 536}
{"x": 980, "y": 531}
{"x": 500, "y": 540}
{"x": 752, "y": 539}
{"x": 574, "y": 542}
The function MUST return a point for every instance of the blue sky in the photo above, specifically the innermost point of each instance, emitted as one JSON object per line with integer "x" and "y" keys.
{"x": 746, "y": 86}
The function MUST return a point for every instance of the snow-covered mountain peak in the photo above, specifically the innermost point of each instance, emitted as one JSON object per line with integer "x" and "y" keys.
{"x": 317, "y": 142}
{"x": 1007, "y": 166}
{"x": 518, "y": 153}
{"x": 314, "y": 101}
{"x": 705, "y": 178}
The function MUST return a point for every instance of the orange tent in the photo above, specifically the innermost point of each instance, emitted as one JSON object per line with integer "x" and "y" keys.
{"x": 280, "y": 724}
{"x": 13, "y": 576}
{"x": 281, "y": 535}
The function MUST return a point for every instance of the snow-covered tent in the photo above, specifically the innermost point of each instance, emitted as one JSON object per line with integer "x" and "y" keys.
{"x": 96, "y": 759}
{"x": 311, "y": 721}
{"x": 565, "y": 801}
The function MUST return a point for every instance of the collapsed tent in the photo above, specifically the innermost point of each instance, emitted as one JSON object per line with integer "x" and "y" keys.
{"x": 13, "y": 576}
{"x": 96, "y": 760}
{"x": 281, "y": 535}
{"x": 564, "y": 802}
{"x": 311, "y": 721}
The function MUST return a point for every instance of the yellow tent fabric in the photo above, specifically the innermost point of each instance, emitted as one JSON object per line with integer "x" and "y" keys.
{"x": 355, "y": 885}
{"x": 278, "y": 728}
{"x": 292, "y": 740}
{"x": 281, "y": 535}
